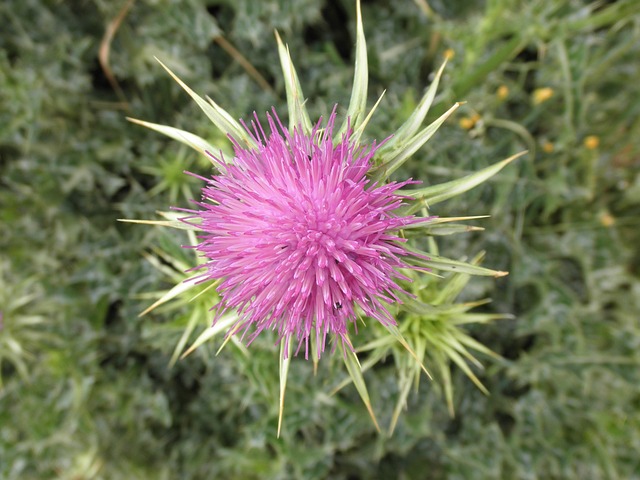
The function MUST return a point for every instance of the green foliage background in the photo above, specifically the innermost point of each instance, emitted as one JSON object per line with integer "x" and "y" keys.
{"x": 86, "y": 388}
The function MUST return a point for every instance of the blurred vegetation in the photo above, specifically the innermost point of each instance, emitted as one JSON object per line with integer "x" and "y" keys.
{"x": 86, "y": 388}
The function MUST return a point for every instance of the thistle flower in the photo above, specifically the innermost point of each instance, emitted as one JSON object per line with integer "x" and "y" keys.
{"x": 303, "y": 232}
{"x": 299, "y": 236}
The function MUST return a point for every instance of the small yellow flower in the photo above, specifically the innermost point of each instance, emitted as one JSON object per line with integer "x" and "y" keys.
{"x": 607, "y": 220}
{"x": 542, "y": 95}
{"x": 592, "y": 142}
{"x": 547, "y": 147}
{"x": 449, "y": 53}
{"x": 469, "y": 122}
{"x": 502, "y": 92}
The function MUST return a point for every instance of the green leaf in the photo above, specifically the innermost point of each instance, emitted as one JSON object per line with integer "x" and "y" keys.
{"x": 176, "y": 291}
{"x": 355, "y": 138}
{"x": 409, "y": 128}
{"x": 358, "y": 101}
{"x": 298, "y": 115}
{"x": 284, "y": 372}
{"x": 445, "y": 374}
{"x": 393, "y": 159}
{"x": 384, "y": 342}
{"x": 315, "y": 358}
{"x": 451, "y": 229}
{"x": 455, "y": 284}
{"x": 480, "y": 318}
{"x": 437, "y": 220}
{"x": 355, "y": 372}
{"x": 191, "y": 325}
{"x": 442, "y": 225}
{"x": 220, "y": 326}
{"x": 372, "y": 359}
{"x": 416, "y": 306}
{"x": 216, "y": 114}
{"x": 404, "y": 383}
{"x": 190, "y": 139}
{"x": 446, "y": 264}
{"x": 160, "y": 223}
{"x": 470, "y": 342}
{"x": 393, "y": 330}
{"x": 604, "y": 16}
{"x": 462, "y": 364}
{"x": 444, "y": 191}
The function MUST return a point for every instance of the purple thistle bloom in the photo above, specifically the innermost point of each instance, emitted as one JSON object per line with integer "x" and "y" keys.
{"x": 299, "y": 237}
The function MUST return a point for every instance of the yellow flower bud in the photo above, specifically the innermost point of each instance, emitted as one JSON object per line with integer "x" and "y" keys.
{"x": 592, "y": 142}
{"x": 542, "y": 95}
{"x": 467, "y": 123}
{"x": 449, "y": 53}
{"x": 547, "y": 147}
{"x": 502, "y": 92}
{"x": 607, "y": 220}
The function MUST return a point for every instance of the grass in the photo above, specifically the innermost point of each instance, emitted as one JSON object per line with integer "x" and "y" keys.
{"x": 87, "y": 391}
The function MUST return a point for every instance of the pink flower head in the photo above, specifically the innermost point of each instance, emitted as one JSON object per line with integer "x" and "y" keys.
{"x": 299, "y": 237}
